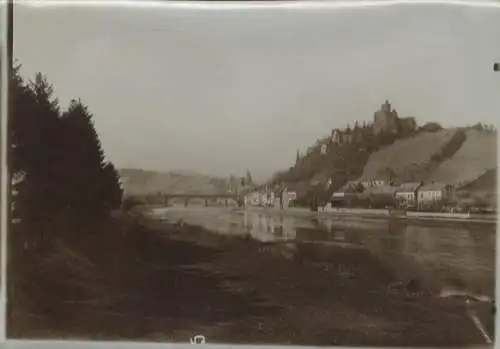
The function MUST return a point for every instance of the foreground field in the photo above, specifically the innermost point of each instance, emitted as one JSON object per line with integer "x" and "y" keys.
{"x": 167, "y": 283}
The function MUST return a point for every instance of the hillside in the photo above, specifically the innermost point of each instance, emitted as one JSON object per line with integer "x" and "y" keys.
{"x": 413, "y": 159}
{"x": 483, "y": 183}
{"x": 340, "y": 163}
{"x": 396, "y": 149}
{"x": 477, "y": 155}
{"x": 141, "y": 182}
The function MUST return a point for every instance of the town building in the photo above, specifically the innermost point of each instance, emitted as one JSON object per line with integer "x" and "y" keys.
{"x": 385, "y": 119}
{"x": 253, "y": 198}
{"x": 271, "y": 198}
{"x": 406, "y": 194}
{"x": 292, "y": 196}
{"x": 384, "y": 176}
{"x": 433, "y": 193}
{"x": 289, "y": 198}
{"x": 372, "y": 182}
{"x": 336, "y": 136}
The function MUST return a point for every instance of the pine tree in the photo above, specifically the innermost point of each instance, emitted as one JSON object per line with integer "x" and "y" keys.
{"x": 36, "y": 148}
{"x": 112, "y": 190}
{"x": 59, "y": 159}
{"x": 83, "y": 157}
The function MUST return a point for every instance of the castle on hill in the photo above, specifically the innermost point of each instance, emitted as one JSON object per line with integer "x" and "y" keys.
{"x": 385, "y": 120}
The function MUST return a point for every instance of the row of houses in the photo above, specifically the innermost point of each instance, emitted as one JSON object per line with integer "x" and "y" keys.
{"x": 416, "y": 195}
{"x": 270, "y": 198}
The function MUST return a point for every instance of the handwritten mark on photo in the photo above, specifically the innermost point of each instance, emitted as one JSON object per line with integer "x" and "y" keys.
{"x": 198, "y": 339}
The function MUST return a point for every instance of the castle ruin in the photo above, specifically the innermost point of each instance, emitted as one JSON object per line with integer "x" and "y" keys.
{"x": 385, "y": 119}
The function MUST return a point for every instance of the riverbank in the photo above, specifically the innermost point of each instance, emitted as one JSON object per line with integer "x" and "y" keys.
{"x": 145, "y": 280}
{"x": 374, "y": 213}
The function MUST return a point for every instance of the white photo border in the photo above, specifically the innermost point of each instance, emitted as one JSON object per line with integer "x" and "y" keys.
{"x": 5, "y": 59}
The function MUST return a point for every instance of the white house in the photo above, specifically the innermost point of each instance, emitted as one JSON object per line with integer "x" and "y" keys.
{"x": 373, "y": 183}
{"x": 407, "y": 192}
{"x": 289, "y": 198}
{"x": 429, "y": 194}
{"x": 268, "y": 199}
{"x": 253, "y": 198}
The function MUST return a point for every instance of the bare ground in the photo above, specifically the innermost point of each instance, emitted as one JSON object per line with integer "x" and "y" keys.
{"x": 147, "y": 281}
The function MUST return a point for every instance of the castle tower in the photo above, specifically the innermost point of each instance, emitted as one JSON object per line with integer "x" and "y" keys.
{"x": 385, "y": 120}
{"x": 386, "y": 107}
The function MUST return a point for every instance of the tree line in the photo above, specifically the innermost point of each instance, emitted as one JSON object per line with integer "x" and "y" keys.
{"x": 57, "y": 163}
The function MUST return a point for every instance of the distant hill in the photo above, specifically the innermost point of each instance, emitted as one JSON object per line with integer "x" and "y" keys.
{"x": 142, "y": 182}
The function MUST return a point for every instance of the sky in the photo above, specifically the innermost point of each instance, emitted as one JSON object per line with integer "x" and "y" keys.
{"x": 222, "y": 91}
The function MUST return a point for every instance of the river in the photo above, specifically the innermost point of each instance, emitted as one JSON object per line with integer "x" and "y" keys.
{"x": 445, "y": 257}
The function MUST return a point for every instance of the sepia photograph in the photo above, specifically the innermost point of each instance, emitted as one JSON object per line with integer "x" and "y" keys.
{"x": 261, "y": 174}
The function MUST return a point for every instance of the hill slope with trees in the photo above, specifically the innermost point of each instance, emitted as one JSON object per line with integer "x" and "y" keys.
{"x": 427, "y": 153}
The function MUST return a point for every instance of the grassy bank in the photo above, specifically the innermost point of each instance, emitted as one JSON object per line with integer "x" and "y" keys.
{"x": 145, "y": 280}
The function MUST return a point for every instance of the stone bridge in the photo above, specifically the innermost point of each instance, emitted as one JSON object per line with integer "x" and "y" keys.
{"x": 166, "y": 198}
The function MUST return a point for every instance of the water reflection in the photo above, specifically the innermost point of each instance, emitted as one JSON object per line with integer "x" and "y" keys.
{"x": 268, "y": 228}
{"x": 438, "y": 255}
